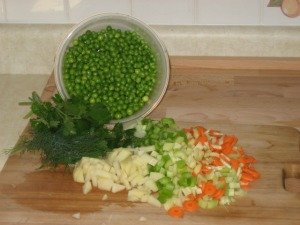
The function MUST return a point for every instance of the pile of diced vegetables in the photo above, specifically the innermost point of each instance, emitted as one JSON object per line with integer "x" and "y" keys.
{"x": 181, "y": 170}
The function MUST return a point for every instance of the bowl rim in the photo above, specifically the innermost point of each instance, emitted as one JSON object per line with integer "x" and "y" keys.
{"x": 65, "y": 40}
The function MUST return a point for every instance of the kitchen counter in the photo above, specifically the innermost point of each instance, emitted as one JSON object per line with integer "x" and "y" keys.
{"x": 13, "y": 89}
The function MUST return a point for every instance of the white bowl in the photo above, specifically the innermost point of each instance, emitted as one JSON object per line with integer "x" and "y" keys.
{"x": 123, "y": 22}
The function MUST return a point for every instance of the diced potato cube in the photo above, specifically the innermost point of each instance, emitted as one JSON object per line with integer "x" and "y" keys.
{"x": 105, "y": 184}
{"x": 87, "y": 187}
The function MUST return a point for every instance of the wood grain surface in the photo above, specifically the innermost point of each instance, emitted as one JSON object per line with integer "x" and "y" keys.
{"x": 32, "y": 196}
{"x": 250, "y": 103}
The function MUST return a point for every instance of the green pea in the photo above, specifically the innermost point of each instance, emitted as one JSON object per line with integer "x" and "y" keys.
{"x": 117, "y": 68}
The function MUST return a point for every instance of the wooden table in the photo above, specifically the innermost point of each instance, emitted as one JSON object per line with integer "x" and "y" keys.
{"x": 250, "y": 102}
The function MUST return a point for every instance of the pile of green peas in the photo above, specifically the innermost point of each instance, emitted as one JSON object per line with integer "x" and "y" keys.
{"x": 114, "y": 67}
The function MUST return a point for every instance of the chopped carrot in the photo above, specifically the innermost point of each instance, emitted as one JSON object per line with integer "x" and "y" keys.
{"x": 176, "y": 212}
{"x": 209, "y": 189}
{"x": 235, "y": 164}
{"x": 247, "y": 177}
{"x": 247, "y": 159}
{"x": 219, "y": 193}
{"x": 215, "y": 133}
{"x": 252, "y": 172}
{"x": 230, "y": 139}
{"x": 199, "y": 196}
{"x": 214, "y": 149}
{"x": 226, "y": 148}
{"x": 188, "y": 130}
{"x": 217, "y": 161}
{"x": 202, "y": 139}
{"x": 241, "y": 151}
{"x": 222, "y": 180}
{"x": 205, "y": 169}
{"x": 245, "y": 185}
{"x": 191, "y": 197}
{"x": 190, "y": 206}
{"x": 201, "y": 130}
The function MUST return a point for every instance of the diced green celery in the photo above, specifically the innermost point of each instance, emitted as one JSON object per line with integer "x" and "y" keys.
{"x": 225, "y": 169}
{"x": 212, "y": 204}
{"x": 154, "y": 136}
{"x": 159, "y": 147}
{"x": 229, "y": 179}
{"x": 160, "y": 186}
{"x": 164, "y": 195}
{"x": 169, "y": 186}
{"x": 202, "y": 203}
{"x": 192, "y": 181}
{"x": 168, "y": 146}
{"x": 225, "y": 200}
{"x": 168, "y": 164}
{"x": 186, "y": 175}
{"x": 230, "y": 192}
{"x": 234, "y": 185}
{"x": 170, "y": 173}
{"x": 180, "y": 164}
{"x": 210, "y": 176}
{"x": 180, "y": 154}
{"x": 164, "y": 180}
{"x": 182, "y": 182}
{"x": 181, "y": 134}
{"x": 180, "y": 140}
{"x": 168, "y": 121}
{"x": 156, "y": 130}
{"x": 162, "y": 170}
{"x": 240, "y": 192}
{"x": 151, "y": 168}
{"x": 165, "y": 158}
{"x": 163, "y": 199}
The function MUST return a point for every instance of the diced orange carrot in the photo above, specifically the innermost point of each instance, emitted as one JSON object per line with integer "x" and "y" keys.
{"x": 191, "y": 197}
{"x": 226, "y": 149}
{"x": 252, "y": 172}
{"x": 215, "y": 133}
{"x": 219, "y": 193}
{"x": 176, "y": 212}
{"x": 217, "y": 161}
{"x": 190, "y": 205}
{"x": 248, "y": 159}
{"x": 230, "y": 139}
{"x": 202, "y": 139}
{"x": 199, "y": 196}
{"x": 214, "y": 149}
{"x": 205, "y": 169}
{"x": 209, "y": 189}
{"x": 188, "y": 130}
{"x": 234, "y": 164}
{"x": 201, "y": 130}
{"x": 247, "y": 177}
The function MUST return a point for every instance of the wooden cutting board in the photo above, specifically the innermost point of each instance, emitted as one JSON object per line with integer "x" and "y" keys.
{"x": 32, "y": 196}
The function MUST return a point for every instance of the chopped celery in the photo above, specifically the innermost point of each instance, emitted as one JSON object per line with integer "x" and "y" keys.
{"x": 180, "y": 164}
{"x": 212, "y": 204}
{"x": 164, "y": 195}
{"x": 164, "y": 180}
{"x": 168, "y": 121}
{"x": 234, "y": 185}
{"x": 168, "y": 146}
{"x": 202, "y": 203}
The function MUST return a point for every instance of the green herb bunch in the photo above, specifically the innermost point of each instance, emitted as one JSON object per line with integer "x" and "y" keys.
{"x": 64, "y": 131}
